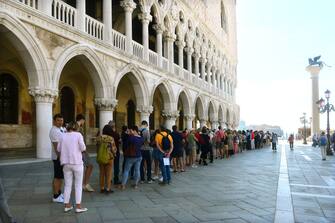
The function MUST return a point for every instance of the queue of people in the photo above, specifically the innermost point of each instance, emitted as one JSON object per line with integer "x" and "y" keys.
{"x": 148, "y": 156}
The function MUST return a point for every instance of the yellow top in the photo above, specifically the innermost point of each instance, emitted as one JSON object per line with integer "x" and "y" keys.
{"x": 159, "y": 138}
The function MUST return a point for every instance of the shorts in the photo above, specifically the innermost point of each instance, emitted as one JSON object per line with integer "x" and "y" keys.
{"x": 156, "y": 154}
{"x": 177, "y": 153}
{"x": 219, "y": 145}
{"x": 86, "y": 159}
{"x": 58, "y": 170}
{"x": 188, "y": 150}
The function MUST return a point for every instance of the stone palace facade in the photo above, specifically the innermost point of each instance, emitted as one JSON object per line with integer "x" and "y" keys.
{"x": 165, "y": 61}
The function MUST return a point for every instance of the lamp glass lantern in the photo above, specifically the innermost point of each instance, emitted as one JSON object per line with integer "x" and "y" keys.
{"x": 327, "y": 94}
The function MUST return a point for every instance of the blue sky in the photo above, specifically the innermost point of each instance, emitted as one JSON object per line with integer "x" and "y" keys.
{"x": 275, "y": 40}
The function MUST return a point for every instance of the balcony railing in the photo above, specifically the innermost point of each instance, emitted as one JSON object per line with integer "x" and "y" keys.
{"x": 137, "y": 49}
{"x": 31, "y": 3}
{"x": 63, "y": 12}
{"x": 186, "y": 75}
{"x": 176, "y": 69}
{"x": 153, "y": 58}
{"x": 93, "y": 27}
{"x": 119, "y": 40}
{"x": 165, "y": 63}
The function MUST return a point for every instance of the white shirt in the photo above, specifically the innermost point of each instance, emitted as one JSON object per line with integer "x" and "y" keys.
{"x": 55, "y": 135}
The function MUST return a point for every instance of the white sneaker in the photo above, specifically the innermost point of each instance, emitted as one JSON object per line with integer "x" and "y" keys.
{"x": 59, "y": 199}
{"x": 80, "y": 210}
{"x": 68, "y": 209}
{"x": 155, "y": 177}
{"x": 88, "y": 188}
{"x": 161, "y": 179}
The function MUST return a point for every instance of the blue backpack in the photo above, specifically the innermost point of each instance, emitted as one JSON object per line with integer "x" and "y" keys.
{"x": 166, "y": 144}
{"x": 323, "y": 140}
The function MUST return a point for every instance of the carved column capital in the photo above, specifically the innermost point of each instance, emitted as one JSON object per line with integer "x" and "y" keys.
{"x": 105, "y": 104}
{"x": 145, "y": 17}
{"x": 170, "y": 36}
{"x": 189, "y": 50}
{"x": 43, "y": 95}
{"x": 180, "y": 44}
{"x": 128, "y": 5}
{"x": 145, "y": 109}
{"x": 189, "y": 117}
{"x": 170, "y": 114}
{"x": 159, "y": 28}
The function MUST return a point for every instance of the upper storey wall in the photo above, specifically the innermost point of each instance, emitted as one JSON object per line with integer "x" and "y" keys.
{"x": 208, "y": 16}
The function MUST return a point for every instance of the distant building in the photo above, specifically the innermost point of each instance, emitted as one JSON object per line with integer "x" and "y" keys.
{"x": 269, "y": 128}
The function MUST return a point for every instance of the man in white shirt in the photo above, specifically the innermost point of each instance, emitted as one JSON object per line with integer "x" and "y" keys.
{"x": 55, "y": 134}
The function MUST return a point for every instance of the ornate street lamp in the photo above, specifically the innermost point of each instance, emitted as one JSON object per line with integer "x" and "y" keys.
{"x": 304, "y": 121}
{"x": 325, "y": 106}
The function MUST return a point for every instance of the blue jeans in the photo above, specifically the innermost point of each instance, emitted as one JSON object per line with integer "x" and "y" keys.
{"x": 146, "y": 157}
{"x": 165, "y": 169}
{"x": 136, "y": 162}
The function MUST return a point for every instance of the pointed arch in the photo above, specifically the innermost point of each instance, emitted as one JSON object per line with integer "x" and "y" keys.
{"x": 220, "y": 114}
{"x": 200, "y": 105}
{"x": 212, "y": 111}
{"x": 32, "y": 55}
{"x": 91, "y": 60}
{"x": 165, "y": 88}
{"x": 138, "y": 81}
{"x": 185, "y": 97}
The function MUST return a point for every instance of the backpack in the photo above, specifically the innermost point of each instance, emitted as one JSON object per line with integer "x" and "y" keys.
{"x": 104, "y": 154}
{"x": 166, "y": 144}
{"x": 323, "y": 141}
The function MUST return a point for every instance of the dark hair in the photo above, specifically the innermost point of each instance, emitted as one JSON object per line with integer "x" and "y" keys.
{"x": 144, "y": 122}
{"x": 204, "y": 129}
{"x": 72, "y": 126}
{"x": 57, "y": 116}
{"x": 219, "y": 127}
{"x": 107, "y": 130}
{"x": 174, "y": 128}
{"x": 124, "y": 128}
{"x": 80, "y": 117}
{"x": 134, "y": 128}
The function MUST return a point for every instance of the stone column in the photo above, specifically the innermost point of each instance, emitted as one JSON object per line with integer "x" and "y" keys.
{"x": 203, "y": 62}
{"x": 81, "y": 13}
{"x": 197, "y": 57}
{"x": 145, "y": 112}
{"x": 170, "y": 38}
{"x": 43, "y": 100}
{"x": 170, "y": 118}
{"x": 314, "y": 71}
{"x": 128, "y": 6}
{"x": 202, "y": 123}
{"x": 146, "y": 18}
{"x": 189, "y": 51}
{"x": 181, "y": 45}
{"x": 215, "y": 124}
{"x": 45, "y": 6}
{"x": 189, "y": 120}
{"x": 106, "y": 108}
{"x": 209, "y": 67}
{"x": 159, "y": 39}
{"x": 107, "y": 19}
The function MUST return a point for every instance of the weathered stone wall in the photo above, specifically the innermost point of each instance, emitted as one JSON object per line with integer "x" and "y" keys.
{"x": 16, "y": 136}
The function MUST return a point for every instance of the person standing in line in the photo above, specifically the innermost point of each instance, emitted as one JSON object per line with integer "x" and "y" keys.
{"x": 117, "y": 140}
{"x": 133, "y": 157}
{"x": 155, "y": 154}
{"x": 291, "y": 141}
{"x": 104, "y": 141}
{"x": 80, "y": 121}
{"x": 219, "y": 143}
{"x": 177, "y": 153}
{"x": 164, "y": 144}
{"x": 55, "y": 135}
{"x": 5, "y": 215}
{"x": 146, "y": 151}
{"x": 252, "y": 135}
{"x": 323, "y": 145}
{"x": 191, "y": 144}
{"x": 71, "y": 147}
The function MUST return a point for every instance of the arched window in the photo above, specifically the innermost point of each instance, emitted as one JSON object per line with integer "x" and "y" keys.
{"x": 130, "y": 113}
{"x": 223, "y": 18}
{"x": 9, "y": 95}
{"x": 67, "y": 104}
